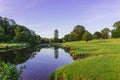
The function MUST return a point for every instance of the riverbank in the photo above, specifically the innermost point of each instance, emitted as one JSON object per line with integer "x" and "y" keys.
{"x": 102, "y": 62}
{"x": 10, "y": 46}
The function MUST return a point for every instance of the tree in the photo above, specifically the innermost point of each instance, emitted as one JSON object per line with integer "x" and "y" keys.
{"x": 73, "y": 36}
{"x": 37, "y": 39}
{"x": 116, "y": 32}
{"x": 87, "y": 36}
{"x": 105, "y": 33}
{"x": 22, "y": 34}
{"x": 97, "y": 35}
{"x": 2, "y": 33}
{"x": 5, "y": 24}
{"x": 56, "y": 35}
{"x": 10, "y": 31}
{"x": 79, "y": 30}
{"x": 116, "y": 24}
{"x": 66, "y": 38}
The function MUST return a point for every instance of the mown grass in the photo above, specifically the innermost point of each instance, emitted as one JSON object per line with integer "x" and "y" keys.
{"x": 104, "y": 66}
{"x": 93, "y": 68}
{"x": 105, "y": 46}
{"x": 5, "y": 46}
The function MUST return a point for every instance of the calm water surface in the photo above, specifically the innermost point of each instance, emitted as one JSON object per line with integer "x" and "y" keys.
{"x": 42, "y": 62}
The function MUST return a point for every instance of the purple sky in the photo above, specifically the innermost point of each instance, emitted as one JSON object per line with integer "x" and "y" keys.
{"x": 44, "y": 16}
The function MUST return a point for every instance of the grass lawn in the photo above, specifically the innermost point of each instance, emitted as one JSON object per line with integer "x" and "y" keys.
{"x": 103, "y": 66}
{"x": 4, "y": 46}
{"x": 94, "y": 47}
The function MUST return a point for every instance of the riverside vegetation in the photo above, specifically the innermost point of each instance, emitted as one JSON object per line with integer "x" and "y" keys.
{"x": 14, "y": 36}
{"x": 102, "y": 62}
{"x": 96, "y": 60}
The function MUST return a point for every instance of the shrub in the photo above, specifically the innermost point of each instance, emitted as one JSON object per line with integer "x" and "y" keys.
{"x": 9, "y": 72}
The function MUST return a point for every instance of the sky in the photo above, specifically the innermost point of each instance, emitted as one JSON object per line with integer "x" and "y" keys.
{"x": 44, "y": 16}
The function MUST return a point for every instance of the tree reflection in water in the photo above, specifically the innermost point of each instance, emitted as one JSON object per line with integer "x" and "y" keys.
{"x": 19, "y": 56}
{"x": 56, "y": 55}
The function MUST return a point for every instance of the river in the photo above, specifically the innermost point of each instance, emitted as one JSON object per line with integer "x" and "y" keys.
{"x": 39, "y": 62}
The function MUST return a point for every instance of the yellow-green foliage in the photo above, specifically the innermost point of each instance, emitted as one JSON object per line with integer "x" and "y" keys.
{"x": 9, "y": 72}
{"x": 104, "y": 64}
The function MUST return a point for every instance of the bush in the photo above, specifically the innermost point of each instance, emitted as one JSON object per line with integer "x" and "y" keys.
{"x": 9, "y": 72}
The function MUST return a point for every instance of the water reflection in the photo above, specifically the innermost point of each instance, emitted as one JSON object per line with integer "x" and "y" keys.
{"x": 19, "y": 56}
{"x": 56, "y": 55}
{"x": 44, "y": 63}
{"x": 39, "y": 62}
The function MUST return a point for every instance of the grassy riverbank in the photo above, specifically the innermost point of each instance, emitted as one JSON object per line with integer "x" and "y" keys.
{"x": 5, "y": 46}
{"x": 102, "y": 65}
{"x": 106, "y": 46}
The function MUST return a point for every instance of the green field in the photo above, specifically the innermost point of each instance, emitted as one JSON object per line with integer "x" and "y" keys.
{"x": 103, "y": 62}
{"x": 5, "y": 46}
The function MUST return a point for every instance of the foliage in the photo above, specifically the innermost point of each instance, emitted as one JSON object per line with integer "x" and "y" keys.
{"x": 97, "y": 35}
{"x": 2, "y": 33}
{"x": 116, "y": 33}
{"x": 46, "y": 40}
{"x": 87, "y": 36}
{"x": 71, "y": 37}
{"x": 9, "y": 72}
{"x": 66, "y": 38}
{"x": 116, "y": 30}
{"x": 10, "y": 31}
{"x": 105, "y": 33}
{"x": 116, "y": 24}
{"x": 75, "y": 35}
{"x": 79, "y": 30}
{"x": 56, "y": 35}
{"x": 102, "y": 62}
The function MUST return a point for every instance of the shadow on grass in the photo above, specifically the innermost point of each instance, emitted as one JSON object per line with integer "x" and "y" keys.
{"x": 99, "y": 41}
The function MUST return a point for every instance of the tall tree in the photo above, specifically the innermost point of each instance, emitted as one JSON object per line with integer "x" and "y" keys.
{"x": 116, "y": 24}
{"x": 10, "y": 31}
{"x": 116, "y": 32}
{"x": 56, "y": 35}
{"x": 105, "y": 33}
{"x": 87, "y": 36}
{"x": 79, "y": 30}
{"x": 73, "y": 36}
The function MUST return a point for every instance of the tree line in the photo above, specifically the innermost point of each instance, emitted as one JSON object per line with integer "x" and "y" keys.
{"x": 80, "y": 33}
{"x": 10, "y": 31}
